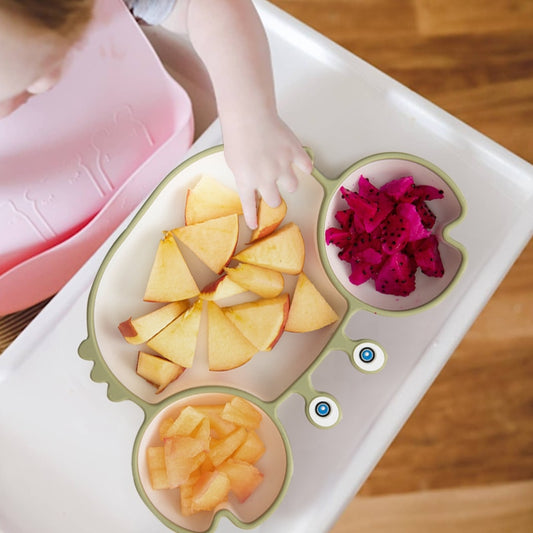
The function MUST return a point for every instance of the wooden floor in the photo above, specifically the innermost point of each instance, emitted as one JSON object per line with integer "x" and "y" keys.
{"x": 464, "y": 460}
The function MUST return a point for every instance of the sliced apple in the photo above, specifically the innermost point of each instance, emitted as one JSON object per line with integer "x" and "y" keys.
{"x": 183, "y": 455}
{"x": 225, "y": 447}
{"x": 157, "y": 470}
{"x": 210, "y": 199}
{"x": 244, "y": 478}
{"x": 186, "y": 422}
{"x": 262, "y": 322}
{"x": 227, "y": 347}
{"x": 222, "y": 287}
{"x": 251, "y": 450}
{"x": 309, "y": 310}
{"x": 177, "y": 341}
{"x": 212, "y": 241}
{"x": 210, "y": 490}
{"x": 158, "y": 371}
{"x": 170, "y": 279}
{"x": 242, "y": 413}
{"x": 268, "y": 219}
{"x": 140, "y": 329}
{"x": 219, "y": 427}
{"x": 262, "y": 281}
{"x": 282, "y": 251}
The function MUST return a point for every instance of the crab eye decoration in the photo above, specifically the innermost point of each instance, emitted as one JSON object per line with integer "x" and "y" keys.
{"x": 369, "y": 357}
{"x": 323, "y": 411}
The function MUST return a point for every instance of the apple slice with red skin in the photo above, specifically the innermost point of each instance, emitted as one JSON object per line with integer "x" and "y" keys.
{"x": 140, "y": 329}
{"x": 262, "y": 281}
{"x": 212, "y": 241}
{"x": 177, "y": 341}
{"x": 222, "y": 287}
{"x": 262, "y": 322}
{"x": 157, "y": 370}
{"x": 268, "y": 219}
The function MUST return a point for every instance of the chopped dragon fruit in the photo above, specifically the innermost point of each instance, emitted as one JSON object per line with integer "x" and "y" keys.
{"x": 394, "y": 233}
{"x": 427, "y": 257}
{"x": 397, "y": 275}
{"x": 398, "y": 188}
{"x": 413, "y": 221}
{"x": 385, "y": 234}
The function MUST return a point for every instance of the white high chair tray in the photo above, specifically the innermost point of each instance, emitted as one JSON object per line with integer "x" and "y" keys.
{"x": 65, "y": 449}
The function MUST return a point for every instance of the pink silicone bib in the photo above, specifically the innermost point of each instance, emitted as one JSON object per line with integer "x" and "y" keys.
{"x": 74, "y": 162}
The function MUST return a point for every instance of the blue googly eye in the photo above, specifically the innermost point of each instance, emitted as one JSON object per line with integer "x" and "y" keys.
{"x": 323, "y": 411}
{"x": 368, "y": 356}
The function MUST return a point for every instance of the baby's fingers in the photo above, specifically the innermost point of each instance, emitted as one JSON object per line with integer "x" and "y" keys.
{"x": 249, "y": 207}
{"x": 303, "y": 161}
{"x": 270, "y": 193}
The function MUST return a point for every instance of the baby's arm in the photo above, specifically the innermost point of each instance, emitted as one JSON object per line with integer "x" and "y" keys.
{"x": 259, "y": 148}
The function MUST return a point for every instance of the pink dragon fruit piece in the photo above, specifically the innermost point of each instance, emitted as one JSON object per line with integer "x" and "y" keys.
{"x": 398, "y": 188}
{"x": 367, "y": 190}
{"x": 360, "y": 205}
{"x": 427, "y": 257}
{"x": 360, "y": 273}
{"x": 410, "y": 214}
{"x": 427, "y": 217}
{"x": 396, "y": 276}
{"x": 384, "y": 205}
{"x": 345, "y": 219}
{"x": 394, "y": 234}
{"x": 365, "y": 265}
{"x": 339, "y": 237}
{"x": 427, "y": 192}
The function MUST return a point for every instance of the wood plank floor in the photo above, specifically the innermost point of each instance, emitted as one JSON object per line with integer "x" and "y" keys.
{"x": 464, "y": 460}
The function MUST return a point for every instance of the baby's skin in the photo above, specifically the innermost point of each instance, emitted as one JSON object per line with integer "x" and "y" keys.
{"x": 228, "y": 36}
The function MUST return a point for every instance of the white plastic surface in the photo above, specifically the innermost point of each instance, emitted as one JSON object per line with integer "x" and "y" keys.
{"x": 68, "y": 446}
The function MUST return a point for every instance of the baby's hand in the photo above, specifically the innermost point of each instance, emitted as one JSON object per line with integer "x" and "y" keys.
{"x": 262, "y": 157}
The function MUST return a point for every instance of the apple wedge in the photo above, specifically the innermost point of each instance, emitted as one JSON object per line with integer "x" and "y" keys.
{"x": 265, "y": 282}
{"x": 210, "y": 199}
{"x": 268, "y": 219}
{"x": 155, "y": 460}
{"x": 282, "y": 250}
{"x": 262, "y": 322}
{"x": 212, "y": 241}
{"x": 140, "y": 329}
{"x": 244, "y": 478}
{"x": 222, "y": 287}
{"x": 170, "y": 279}
{"x": 227, "y": 347}
{"x": 177, "y": 341}
{"x": 157, "y": 370}
{"x": 309, "y": 310}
